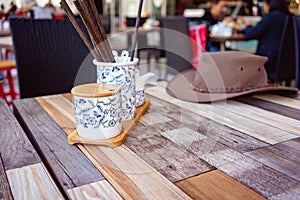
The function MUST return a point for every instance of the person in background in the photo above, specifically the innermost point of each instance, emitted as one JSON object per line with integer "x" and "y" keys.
{"x": 45, "y": 12}
{"x": 2, "y": 11}
{"x": 249, "y": 6}
{"x": 269, "y": 30}
{"x": 26, "y": 8}
{"x": 216, "y": 12}
{"x": 11, "y": 11}
{"x": 38, "y": 12}
{"x": 212, "y": 16}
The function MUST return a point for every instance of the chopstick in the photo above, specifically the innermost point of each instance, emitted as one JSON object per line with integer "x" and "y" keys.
{"x": 108, "y": 54}
{"x": 99, "y": 45}
{"x": 78, "y": 28}
{"x": 87, "y": 20}
{"x": 137, "y": 25}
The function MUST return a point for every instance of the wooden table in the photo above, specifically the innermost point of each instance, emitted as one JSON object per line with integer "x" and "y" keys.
{"x": 247, "y": 148}
{"x": 222, "y": 39}
{"x": 5, "y": 32}
{"x": 6, "y": 42}
{"x": 130, "y": 30}
{"x": 142, "y": 33}
{"x": 22, "y": 173}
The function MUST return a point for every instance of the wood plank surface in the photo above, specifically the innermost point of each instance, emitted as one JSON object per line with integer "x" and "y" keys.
{"x": 233, "y": 162}
{"x": 271, "y": 119}
{"x": 16, "y": 150}
{"x": 161, "y": 154}
{"x": 97, "y": 190}
{"x": 259, "y": 130}
{"x": 272, "y": 107}
{"x": 186, "y": 127}
{"x": 172, "y": 161}
{"x": 261, "y": 178}
{"x": 68, "y": 163}
{"x": 284, "y": 157}
{"x": 16, "y": 153}
{"x": 5, "y": 193}
{"x": 216, "y": 185}
{"x": 252, "y": 173}
{"x": 281, "y": 100}
{"x": 223, "y": 157}
{"x": 116, "y": 164}
{"x": 142, "y": 181}
{"x": 183, "y": 141}
{"x": 33, "y": 183}
{"x": 291, "y": 194}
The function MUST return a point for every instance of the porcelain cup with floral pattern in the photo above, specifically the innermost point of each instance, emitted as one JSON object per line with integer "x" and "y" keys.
{"x": 97, "y": 109}
{"x": 122, "y": 71}
{"x": 140, "y": 81}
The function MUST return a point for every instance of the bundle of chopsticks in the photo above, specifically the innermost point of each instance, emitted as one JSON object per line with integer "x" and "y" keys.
{"x": 96, "y": 39}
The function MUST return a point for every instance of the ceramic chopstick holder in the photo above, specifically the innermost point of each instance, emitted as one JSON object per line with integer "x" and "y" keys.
{"x": 122, "y": 71}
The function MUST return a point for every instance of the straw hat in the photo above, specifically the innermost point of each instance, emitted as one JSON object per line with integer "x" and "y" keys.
{"x": 223, "y": 75}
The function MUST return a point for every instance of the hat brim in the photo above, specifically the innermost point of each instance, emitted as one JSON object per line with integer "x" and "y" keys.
{"x": 180, "y": 88}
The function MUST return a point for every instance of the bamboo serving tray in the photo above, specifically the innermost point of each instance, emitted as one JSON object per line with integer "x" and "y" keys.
{"x": 74, "y": 138}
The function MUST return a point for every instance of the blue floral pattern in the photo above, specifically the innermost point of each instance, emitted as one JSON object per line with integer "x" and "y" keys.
{"x": 121, "y": 75}
{"x": 140, "y": 97}
{"x": 97, "y": 112}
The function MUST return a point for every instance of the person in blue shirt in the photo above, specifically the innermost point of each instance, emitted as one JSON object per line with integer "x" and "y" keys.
{"x": 269, "y": 30}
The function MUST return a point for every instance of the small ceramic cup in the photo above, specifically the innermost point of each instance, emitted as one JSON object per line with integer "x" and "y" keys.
{"x": 122, "y": 71}
{"x": 97, "y": 109}
{"x": 140, "y": 81}
{"x": 139, "y": 97}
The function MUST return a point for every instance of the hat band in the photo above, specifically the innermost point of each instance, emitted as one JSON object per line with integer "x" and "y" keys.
{"x": 229, "y": 90}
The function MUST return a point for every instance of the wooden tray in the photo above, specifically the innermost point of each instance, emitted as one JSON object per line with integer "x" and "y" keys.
{"x": 74, "y": 138}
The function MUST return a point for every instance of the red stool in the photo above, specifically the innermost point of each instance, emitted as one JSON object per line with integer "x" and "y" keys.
{"x": 6, "y": 67}
{"x": 1, "y": 89}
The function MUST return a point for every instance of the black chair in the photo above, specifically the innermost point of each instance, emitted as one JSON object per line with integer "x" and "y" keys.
{"x": 297, "y": 49}
{"x": 49, "y": 54}
{"x": 176, "y": 42}
{"x": 286, "y": 62}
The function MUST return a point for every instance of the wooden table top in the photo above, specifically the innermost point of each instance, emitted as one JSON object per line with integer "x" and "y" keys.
{"x": 22, "y": 173}
{"x": 5, "y": 32}
{"x": 6, "y": 42}
{"x": 246, "y": 148}
{"x": 233, "y": 37}
{"x": 141, "y": 31}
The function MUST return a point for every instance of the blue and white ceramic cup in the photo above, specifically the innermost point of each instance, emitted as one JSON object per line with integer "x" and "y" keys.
{"x": 97, "y": 109}
{"x": 120, "y": 72}
{"x": 140, "y": 97}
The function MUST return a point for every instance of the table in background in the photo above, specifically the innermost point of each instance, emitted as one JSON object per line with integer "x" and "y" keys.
{"x": 6, "y": 42}
{"x": 245, "y": 148}
{"x": 142, "y": 32}
{"x": 5, "y": 32}
{"x": 222, "y": 39}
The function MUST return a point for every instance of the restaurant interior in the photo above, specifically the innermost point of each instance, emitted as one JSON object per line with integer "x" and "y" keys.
{"x": 150, "y": 99}
{"x": 119, "y": 17}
